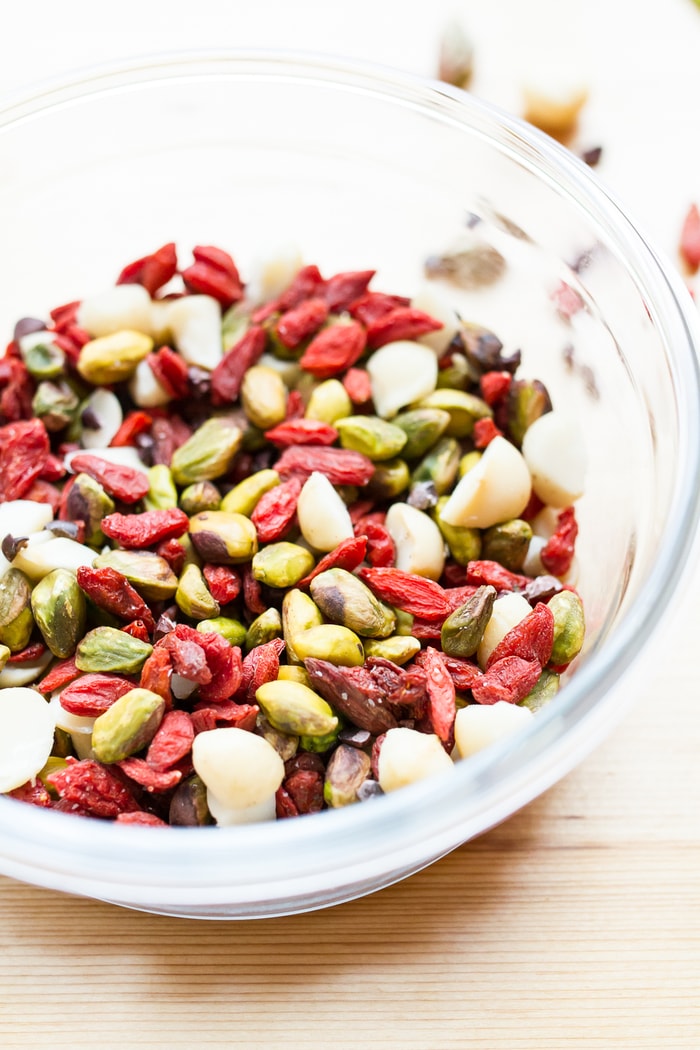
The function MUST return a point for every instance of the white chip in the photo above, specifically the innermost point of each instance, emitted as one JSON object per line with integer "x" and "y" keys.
{"x": 27, "y": 736}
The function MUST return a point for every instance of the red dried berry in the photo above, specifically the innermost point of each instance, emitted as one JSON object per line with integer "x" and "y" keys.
{"x": 261, "y": 665}
{"x": 334, "y": 350}
{"x": 111, "y": 591}
{"x": 135, "y": 423}
{"x": 381, "y": 550}
{"x": 509, "y": 679}
{"x": 494, "y": 386}
{"x": 224, "y": 662}
{"x": 136, "y": 531}
{"x": 32, "y": 792}
{"x": 347, "y": 555}
{"x": 413, "y": 594}
{"x": 440, "y": 687}
{"x": 341, "y": 466}
{"x": 306, "y": 284}
{"x": 372, "y": 306}
{"x": 297, "y": 325}
{"x": 224, "y": 583}
{"x": 156, "y": 674}
{"x": 463, "y": 673}
{"x": 152, "y": 271}
{"x": 174, "y": 553}
{"x": 167, "y": 435}
{"x": 30, "y": 652}
{"x": 485, "y": 430}
{"x": 137, "y": 629}
{"x": 44, "y": 492}
{"x": 172, "y": 741}
{"x": 60, "y": 675}
{"x": 493, "y": 573}
{"x": 284, "y": 806}
{"x": 214, "y": 273}
{"x": 227, "y": 713}
{"x": 343, "y": 289}
{"x": 305, "y": 788}
{"x": 93, "y": 788}
{"x": 91, "y": 695}
{"x": 275, "y": 510}
{"x": 17, "y": 390}
{"x": 403, "y": 322}
{"x": 127, "y": 484}
{"x": 558, "y": 552}
{"x": 24, "y": 449}
{"x": 139, "y": 818}
{"x": 252, "y": 593}
{"x": 302, "y": 432}
{"x": 227, "y": 377}
{"x": 358, "y": 386}
{"x": 171, "y": 371}
{"x": 143, "y": 774}
{"x": 531, "y": 639}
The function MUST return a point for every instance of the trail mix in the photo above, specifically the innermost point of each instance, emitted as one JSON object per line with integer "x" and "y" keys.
{"x": 263, "y": 556}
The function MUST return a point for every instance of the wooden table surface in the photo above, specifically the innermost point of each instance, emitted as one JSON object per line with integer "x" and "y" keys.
{"x": 577, "y": 922}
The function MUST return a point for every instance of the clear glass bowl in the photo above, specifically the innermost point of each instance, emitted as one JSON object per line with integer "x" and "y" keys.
{"x": 368, "y": 168}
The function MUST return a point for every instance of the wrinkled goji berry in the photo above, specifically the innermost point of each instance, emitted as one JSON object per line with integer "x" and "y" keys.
{"x": 343, "y": 289}
{"x": 171, "y": 371}
{"x": 558, "y": 552}
{"x": 223, "y": 581}
{"x": 334, "y": 350}
{"x": 305, "y": 788}
{"x": 485, "y": 430}
{"x": 493, "y": 573}
{"x": 24, "y": 448}
{"x": 141, "y": 819}
{"x": 403, "y": 322}
{"x": 381, "y": 550}
{"x": 259, "y": 666}
{"x": 214, "y": 273}
{"x": 136, "y": 531}
{"x": 372, "y": 306}
{"x": 135, "y": 423}
{"x": 509, "y": 679}
{"x": 414, "y": 594}
{"x": 440, "y": 687}
{"x": 358, "y": 386}
{"x": 275, "y": 511}
{"x": 111, "y": 591}
{"x": 494, "y": 386}
{"x": 152, "y": 271}
{"x": 302, "y": 432}
{"x": 532, "y": 638}
{"x": 174, "y": 553}
{"x": 143, "y": 774}
{"x": 297, "y": 325}
{"x": 347, "y": 555}
{"x": 92, "y": 694}
{"x": 226, "y": 713}
{"x": 94, "y": 788}
{"x": 172, "y": 741}
{"x": 60, "y": 675}
{"x": 127, "y": 484}
{"x": 341, "y": 466}
{"x": 227, "y": 377}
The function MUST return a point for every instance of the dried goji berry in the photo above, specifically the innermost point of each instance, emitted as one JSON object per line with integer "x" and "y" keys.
{"x": 44, "y": 492}
{"x": 135, "y": 423}
{"x": 252, "y": 593}
{"x": 53, "y": 469}
{"x": 227, "y": 713}
{"x": 171, "y": 371}
{"x": 137, "y": 629}
{"x": 92, "y": 694}
{"x": 152, "y": 271}
{"x": 509, "y": 679}
{"x": 24, "y": 448}
{"x": 485, "y": 430}
{"x": 172, "y": 741}
{"x": 493, "y": 573}
{"x": 342, "y": 289}
{"x": 259, "y": 666}
{"x": 341, "y": 466}
{"x": 440, "y": 687}
{"x": 302, "y": 432}
{"x": 534, "y": 506}
{"x": 306, "y": 283}
{"x": 214, "y": 273}
{"x": 166, "y": 436}
{"x": 136, "y": 531}
{"x": 17, "y": 390}
{"x": 224, "y": 661}
{"x": 305, "y": 787}
{"x": 227, "y": 377}
{"x": 353, "y": 693}
{"x": 284, "y": 806}
{"x": 494, "y": 386}
{"x": 187, "y": 654}
{"x": 403, "y": 322}
{"x": 275, "y": 511}
{"x": 61, "y": 674}
{"x": 334, "y": 349}
{"x": 30, "y": 652}
{"x": 358, "y": 386}
{"x": 94, "y": 788}
{"x": 297, "y": 325}
{"x": 143, "y": 774}
{"x": 381, "y": 550}
{"x": 224, "y": 583}
{"x": 347, "y": 555}
{"x": 33, "y": 792}
{"x": 690, "y": 238}
{"x": 65, "y": 315}
{"x": 558, "y": 552}
{"x": 426, "y": 630}
{"x": 531, "y": 639}
{"x": 462, "y": 672}
{"x": 141, "y": 819}
{"x": 359, "y": 509}
{"x": 111, "y": 591}
{"x": 371, "y": 306}
{"x": 414, "y": 594}
{"x": 127, "y": 484}
{"x": 156, "y": 674}
{"x": 174, "y": 553}
{"x": 295, "y": 406}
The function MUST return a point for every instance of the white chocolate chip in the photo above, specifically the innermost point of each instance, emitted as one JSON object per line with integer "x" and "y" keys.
{"x": 479, "y": 725}
{"x": 27, "y": 736}
{"x": 407, "y": 756}
{"x": 401, "y": 373}
{"x": 554, "y": 450}
{"x": 145, "y": 389}
{"x": 124, "y": 306}
{"x": 239, "y": 768}
{"x": 226, "y": 816}
{"x": 420, "y": 547}
{"x": 269, "y": 276}
{"x": 496, "y": 489}
{"x": 22, "y": 517}
{"x": 508, "y": 610}
{"x": 324, "y": 520}
{"x": 108, "y": 411}
{"x": 195, "y": 323}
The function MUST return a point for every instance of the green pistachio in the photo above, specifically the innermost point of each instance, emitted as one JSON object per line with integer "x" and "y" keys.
{"x": 5, "y": 654}
{"x": 507, "y": 543}
{"x": 463, "y": 408}
{"x": 54, "y": 764}
{"x": 201, "y": 496}
{"x": 55, "y": 404}
{"x": 16, "y": 620}
{"x": 294, "y": 673}
{"x": 244, "y": 497}
{"x": 458, "y": 375}
{"x": 223, "y": 538}
{"x": 329, "y": 401}
{"x": 463, "y": 629}
{"x": 127, "y": 726}
{"x": 404, "y": 622}
{"x": 282, "y": 564}
{"x": 264, "y": 628}
{"x": 88, "y": 502}
{"x": 162, "y": 494}
{"x": 299, "y": 613}
{"x": 208, "y": 453}
{"x": 374, "y": 437}
{"x": 109, "y": 649}
{"x": 193, "y": 596}
{"x": 188, "y": 805}
{"x": 391, "y": 477}
{"x": 347, "y": 769}
{"x": 545, "y": 689}
{"x": 468, "y": 461}
{"x": 113, "y": 358}
{"x": 320, "y": 744}
{"x": 42, "y": 357}
{"x": 234, "y": 325}
{"x": 332, "y": 642}
{"x": 344, "y": 599}
{"x": 264, "y": 397}
{"x": 399, "y": 648}
{"x": 569, "y": 627}
{"x": 464, "y": 542}
{"x": 440, "y": 465}
{"x": 146, "y": 571}
{"x": 527, "y": 400}
{"x": 232, "y": 630}
{"x": 60, "y": 611}
{"x": 294, "y": 708}
{"x": 285, "y": 744}
{"x": 422, "y": 427}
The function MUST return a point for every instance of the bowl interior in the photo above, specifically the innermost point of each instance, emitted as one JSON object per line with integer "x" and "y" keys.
{"x": 355, "y": 169}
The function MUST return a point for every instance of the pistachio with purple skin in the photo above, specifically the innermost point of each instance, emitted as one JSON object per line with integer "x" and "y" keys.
{"x": 223, "y": 538}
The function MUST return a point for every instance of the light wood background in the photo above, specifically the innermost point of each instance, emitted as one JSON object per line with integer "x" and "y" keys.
{"x": 577, "y": 922}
